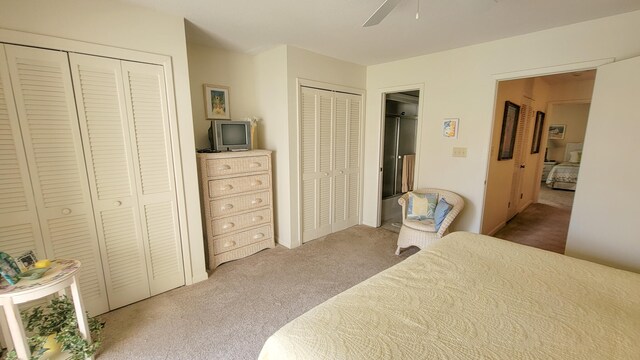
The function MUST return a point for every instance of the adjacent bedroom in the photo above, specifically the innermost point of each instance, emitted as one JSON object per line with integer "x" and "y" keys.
{"x": 384, "y": 179}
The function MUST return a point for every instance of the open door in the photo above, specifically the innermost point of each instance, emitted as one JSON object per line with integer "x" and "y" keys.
{"x": 604, "y": 221}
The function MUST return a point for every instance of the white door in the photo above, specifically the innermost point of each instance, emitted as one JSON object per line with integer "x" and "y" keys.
{"x": 19, "y": 227}
{"x": 330, "y": 161}
{"x": 346, "y": 170}
{"x": 316, "y": 162}
{"x": 604, "y": 218}
{"x": 147, "y": 109}
{"x": 45, "y": 102}
{"x": 105, "y": 131}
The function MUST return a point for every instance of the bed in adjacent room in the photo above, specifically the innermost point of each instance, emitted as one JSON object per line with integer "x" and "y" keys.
{"x": 565, "y": 174}
{"x": 471, "y": 296}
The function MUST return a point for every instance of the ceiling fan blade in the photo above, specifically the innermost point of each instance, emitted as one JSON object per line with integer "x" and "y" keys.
{"x": 381, "y": 13}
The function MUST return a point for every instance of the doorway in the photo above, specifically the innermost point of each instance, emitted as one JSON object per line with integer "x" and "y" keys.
{"x": 399, "y": 152}
{"x": 521, "y": 205}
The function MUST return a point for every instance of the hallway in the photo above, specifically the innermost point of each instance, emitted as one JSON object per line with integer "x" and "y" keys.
{"x": 543, "y": 225}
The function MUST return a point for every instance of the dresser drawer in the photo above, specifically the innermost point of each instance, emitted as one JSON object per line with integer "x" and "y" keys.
{"x": 239, "y": 222}
{"x": 239, "y": 203}
{"x": 236, "y": 185}
{"x": 241, "y": 165}
{"x": 232, "y": 242}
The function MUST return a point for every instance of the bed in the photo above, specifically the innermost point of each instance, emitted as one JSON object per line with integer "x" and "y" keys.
{"x": 471, "y": 296}
{"x": 565, "y": 174}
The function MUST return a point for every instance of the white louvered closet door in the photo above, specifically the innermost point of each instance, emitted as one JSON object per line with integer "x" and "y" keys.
{"x": 346, "y": 161}
{"x": 19, "y": 228}
{"x": 330, "y": 160}
{"x": 147, "y": 110}
{"x": 44, "y": 99}
{"x": 316, "y": 161}
{"x": 102, "y": 111}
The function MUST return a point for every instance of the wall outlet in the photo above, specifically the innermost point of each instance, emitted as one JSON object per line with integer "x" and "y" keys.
{"x": 459, "y": 152}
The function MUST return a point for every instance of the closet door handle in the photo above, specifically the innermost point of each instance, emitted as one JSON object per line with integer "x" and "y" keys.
{"x": 326, "y": 174}
{"x": 117, "y": 203}
{"x": 341, "y": 172}
{"x": 66, "y": 211}
{"x": 258, "y": 236}
{"x": 226, "y": 207}
{"x": 256, "y": 201}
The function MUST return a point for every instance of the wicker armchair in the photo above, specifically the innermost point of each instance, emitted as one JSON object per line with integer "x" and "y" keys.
{"x": 421, "y": 233}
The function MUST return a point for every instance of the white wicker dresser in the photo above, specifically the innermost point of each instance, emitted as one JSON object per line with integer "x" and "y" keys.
{"x": 237, "y": 199}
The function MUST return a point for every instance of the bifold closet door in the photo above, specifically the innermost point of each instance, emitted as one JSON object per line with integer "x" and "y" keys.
{"x": 316, "y": 160}
{"x": 19, "y": 228}
{"x": 330, "y": 160}
{"x": 105, "y": 131}
{"x": 147, "y": 110}
{"x": 124, "y": 124}
{"x": 346, "y": 160}
{"x": 43, "y": 92}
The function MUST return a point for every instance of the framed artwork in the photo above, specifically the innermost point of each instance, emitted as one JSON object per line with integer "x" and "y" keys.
{"x": 557, "y": 131}
{"x": 216, "y": 101}
{"x": 450, "y": 128}
{"x": 509, "y": 130}
{"x": 537, "y": 133}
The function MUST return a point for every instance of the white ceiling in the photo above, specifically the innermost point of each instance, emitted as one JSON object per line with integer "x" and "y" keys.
{"x": 333, "y": 27}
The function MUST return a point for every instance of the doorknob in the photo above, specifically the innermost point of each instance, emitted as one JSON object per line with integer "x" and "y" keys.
{"x": 522, "y": 166}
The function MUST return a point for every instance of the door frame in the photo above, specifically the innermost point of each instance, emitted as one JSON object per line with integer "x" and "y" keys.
{"x": 523, "y": 74}
{"x": 382, "y": 95}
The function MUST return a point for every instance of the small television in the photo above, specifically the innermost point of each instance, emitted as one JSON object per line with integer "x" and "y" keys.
{"x": 231, "y": 135}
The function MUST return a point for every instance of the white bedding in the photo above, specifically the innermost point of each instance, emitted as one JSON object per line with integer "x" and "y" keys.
{"x": 471, "y": 296}
{"x": 565, "y": 172}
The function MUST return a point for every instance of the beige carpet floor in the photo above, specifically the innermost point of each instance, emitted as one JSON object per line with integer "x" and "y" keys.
{"x": 230, "y": 315}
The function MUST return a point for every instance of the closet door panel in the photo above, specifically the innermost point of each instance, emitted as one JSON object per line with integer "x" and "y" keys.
{"x": 147, "y": 110}
{"x": 105, "y": 131}
{"x": 340, "y": 137}
{"x": 19, "y": 228}
{"x": 354, "y": 124}
{"x": 48, "y": 121}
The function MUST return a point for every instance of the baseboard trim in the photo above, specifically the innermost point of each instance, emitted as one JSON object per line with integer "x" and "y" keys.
{"x": 497, "y": 228}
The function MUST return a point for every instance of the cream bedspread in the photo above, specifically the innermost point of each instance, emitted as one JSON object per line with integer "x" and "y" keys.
{"x": 474, "y": 297}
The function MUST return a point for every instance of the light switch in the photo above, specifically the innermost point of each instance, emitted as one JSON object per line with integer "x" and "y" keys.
{"x": 459, "y": 152}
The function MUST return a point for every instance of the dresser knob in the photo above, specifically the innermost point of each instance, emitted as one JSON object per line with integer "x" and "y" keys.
{"x": 256, "y": 201}
{"x": 229, "y": 244}
{"x": 228, "y": 225}
{"x": 256, "y": 183}
{"x": 66, "y": 211}
{"x": 227, "y": 207}
{"x": 254, "y": 164}
{"x": 226, "y": 187}
{"x": 224, "y": 167}
{"x": 258, "y": 236}
{"x": 257, "y": 218}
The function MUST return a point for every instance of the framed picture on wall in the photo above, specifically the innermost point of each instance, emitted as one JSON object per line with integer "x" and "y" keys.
{"x": 450, "y": 128}
{"x": 557, "y": 131}
{"x": 216, "y": 101}
{"x": 509, "y": 130}
{"x": 537, "y": 132}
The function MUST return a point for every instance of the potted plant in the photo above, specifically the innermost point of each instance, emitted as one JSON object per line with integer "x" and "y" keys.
{"x": 57, "y": 320}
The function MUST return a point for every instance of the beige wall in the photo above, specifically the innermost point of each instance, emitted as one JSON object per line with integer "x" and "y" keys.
{"x": 462, "y": 83}
{"x": 128, "y": 27}
{"x": 220, "y": 67}
{"x": 574, "y": 116}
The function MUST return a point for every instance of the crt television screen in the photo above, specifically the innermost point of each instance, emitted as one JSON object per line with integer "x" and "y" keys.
{"x": 234, "y": 134}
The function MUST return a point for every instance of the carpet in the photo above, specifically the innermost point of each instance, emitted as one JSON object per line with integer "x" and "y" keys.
{"x": 230, "y": 315}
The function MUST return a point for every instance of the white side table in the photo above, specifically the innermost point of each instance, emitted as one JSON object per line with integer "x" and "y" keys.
{"x": 62, "y": 275}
